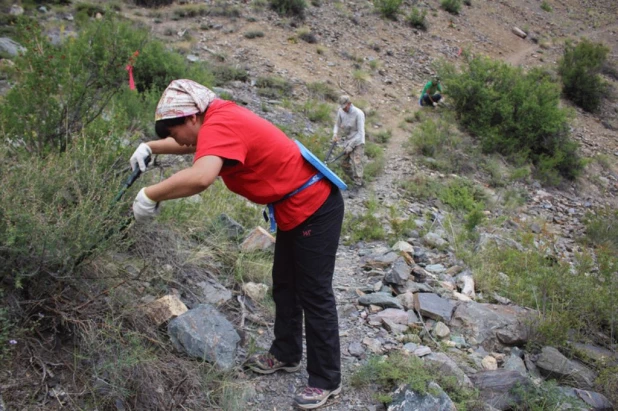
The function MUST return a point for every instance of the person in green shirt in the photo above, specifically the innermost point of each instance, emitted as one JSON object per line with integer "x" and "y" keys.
{"x": 430, "y": 96}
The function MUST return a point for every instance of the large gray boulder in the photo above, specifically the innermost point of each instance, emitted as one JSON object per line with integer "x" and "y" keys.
{"x": 205, "y": 333}
{"x": 492, "y": 326}
{"x": 554, "y": 365}
{"x": 500, "y": 388}
{"x": 404, "y": 399}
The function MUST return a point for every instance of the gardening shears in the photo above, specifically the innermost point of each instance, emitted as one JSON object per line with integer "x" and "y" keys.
{"x": 130, "y": 180}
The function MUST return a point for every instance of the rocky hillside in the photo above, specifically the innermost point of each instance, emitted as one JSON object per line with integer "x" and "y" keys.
{"x": 413, "y": 292}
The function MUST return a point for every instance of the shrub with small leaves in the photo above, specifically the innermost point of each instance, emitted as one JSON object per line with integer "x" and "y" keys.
{"x": 293, "y": 8}
{"x": 153, "y": 3}
{"x": 515, "y": 113}
{"x": 254, "y": 34}
{"x": 388, "y": 8}
{"x": 580, "y": 67}
{"x": 417, "y": 19}
{"x": 546, "y": 6}
{"x": 452, "y": 6}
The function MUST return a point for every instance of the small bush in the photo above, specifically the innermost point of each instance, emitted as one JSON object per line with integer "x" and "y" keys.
{"x": 382, "y": 137}
{"x": 273, "y": 87}
{"x": 322, "y": 91}
{"x": 190, "y": 11}
{"x": 462, "y": 195}
{"x": 602, "y": 229}
{"x": 417, "y": 18}
{"x": 306, "y": 35}
{"x": 89, "y": 9}
{"x": 153, "y": 3}
{"x": 317, "y": 112}
{"x": 395, "y": 370}
{"x": 580, "y": 67}
{"x": 546, "y": 6}
{"x": 388, "y": 8}
{"x": 292, "y": 8}
{"x": 375, "y": 166}
{"x": 224, "y": 74}
{"x": 222, "y": 8}
{"x": 452, "y": 6}
{"x": 361, "y": 80}
{"x": 254, "y": 34}
{"x": 364, "y": 227}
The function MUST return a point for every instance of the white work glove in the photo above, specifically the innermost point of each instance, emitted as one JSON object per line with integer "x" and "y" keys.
{"x": 349, "y": 148}
{"x": 144, "y": 208}
{"x": 435, "y": 104}
{"x": 139, "y": 157}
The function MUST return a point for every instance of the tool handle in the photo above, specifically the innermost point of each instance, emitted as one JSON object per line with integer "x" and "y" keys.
{"x": 135, "y": 174}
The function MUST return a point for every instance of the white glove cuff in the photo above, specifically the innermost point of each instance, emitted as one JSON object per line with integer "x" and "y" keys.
{"x": 146, "y": 198}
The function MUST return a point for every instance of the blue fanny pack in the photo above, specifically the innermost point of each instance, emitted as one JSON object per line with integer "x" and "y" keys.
{"x": 323, "y": 172}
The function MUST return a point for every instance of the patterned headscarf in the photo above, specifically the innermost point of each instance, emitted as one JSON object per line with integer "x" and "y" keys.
{"x": 183, "y": 98}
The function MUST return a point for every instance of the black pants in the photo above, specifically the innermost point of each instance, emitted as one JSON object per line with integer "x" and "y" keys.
{"x": 302, "y": 282}
{"x": 427, "y": 101}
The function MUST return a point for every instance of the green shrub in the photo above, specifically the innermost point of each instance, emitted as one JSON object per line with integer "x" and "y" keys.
{"x": 156, "y": 67}
{"x": 89, "y": 9}
{"x": 395, "y": 370}
{"x": 322, "y": 91}
{"x": 293, "y": 8}
{"x": 417, "y": 18}
{"x": 6, "y": 327}
{"x": 388, "y": 8}
{"x": 364, "y": 227}
{"x": 602, "y": 229}
{"x": 375, "y": 165}
{"x": 153, "y": 3}
{"x": 273, "y": 87}
{"x": 254, "y": 34}
{"x": 317, "y": 112}
{"x": 382, "y": 137}
{"x": 223, "y": 8}
{"x": 58, "y": 210}
{"x": 514, "y": 113}
{"x": 580, "y": 67}
{"x": 452, "y": 6}
{"x": 58, "y": 90}
{"x": 553, "y": 288}
{"x": 189, "y": 11}
{"x": 546, "y": 6}
{"x": 462, "y": 195}
{"x": 224, "y": 74}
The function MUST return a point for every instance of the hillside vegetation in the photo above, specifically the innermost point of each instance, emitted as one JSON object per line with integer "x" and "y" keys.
{"x": 77, "y": 272}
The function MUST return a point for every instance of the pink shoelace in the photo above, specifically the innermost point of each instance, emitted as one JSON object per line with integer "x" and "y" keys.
{"x": 311, "y": 391}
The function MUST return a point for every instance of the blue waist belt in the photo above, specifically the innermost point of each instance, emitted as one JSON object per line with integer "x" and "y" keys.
{"x": 323, "y": 172}
{"x": 271, "y": 207}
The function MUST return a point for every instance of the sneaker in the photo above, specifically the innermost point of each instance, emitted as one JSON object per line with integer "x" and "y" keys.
{"x": 268, "y": 364}
{"x": 311, "y": 398}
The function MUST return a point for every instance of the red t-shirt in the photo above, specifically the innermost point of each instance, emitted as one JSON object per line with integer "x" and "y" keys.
{"x": 260, "y": 162}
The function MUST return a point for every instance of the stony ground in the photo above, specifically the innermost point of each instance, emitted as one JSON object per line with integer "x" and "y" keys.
{"x": 351, "y": 35}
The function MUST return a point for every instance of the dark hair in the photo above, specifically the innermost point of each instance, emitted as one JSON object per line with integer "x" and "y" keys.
{"x": 162, "y": 127}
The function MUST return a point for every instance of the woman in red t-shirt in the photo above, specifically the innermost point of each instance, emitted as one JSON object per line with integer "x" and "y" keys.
{"x": 259, "y": 162}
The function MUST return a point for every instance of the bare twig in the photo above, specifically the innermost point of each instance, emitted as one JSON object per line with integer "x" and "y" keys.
{"x": 244, "y": 311}
{"x": 79, "y": 307}
{"x": 420, "y": 317}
